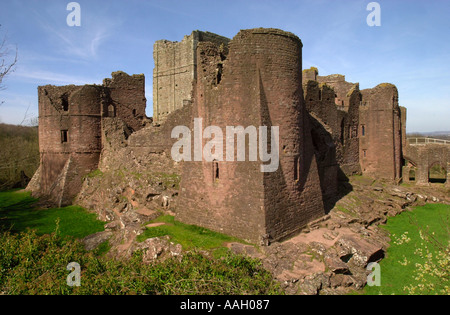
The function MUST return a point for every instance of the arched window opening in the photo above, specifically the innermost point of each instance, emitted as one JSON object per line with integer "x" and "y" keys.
{"x": 65, "y": 102}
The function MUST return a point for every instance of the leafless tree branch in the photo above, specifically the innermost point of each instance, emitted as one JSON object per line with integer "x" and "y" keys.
{"x": 6, "y": 66}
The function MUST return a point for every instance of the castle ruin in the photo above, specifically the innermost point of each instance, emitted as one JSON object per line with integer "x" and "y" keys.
{"x": 70, "y": 129}
{"x": 328, "y": 129}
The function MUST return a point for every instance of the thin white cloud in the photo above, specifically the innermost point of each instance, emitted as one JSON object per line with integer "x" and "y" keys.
{"x": 48, "y": 77}
{"x": 82, "y": 42}
{"x": 18, "y": 108}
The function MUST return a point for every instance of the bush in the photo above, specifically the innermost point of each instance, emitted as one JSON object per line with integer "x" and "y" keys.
{"x": 32, "y": 264}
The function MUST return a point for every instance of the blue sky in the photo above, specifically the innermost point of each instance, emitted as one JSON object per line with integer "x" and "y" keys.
{"x": 410, "y": 49}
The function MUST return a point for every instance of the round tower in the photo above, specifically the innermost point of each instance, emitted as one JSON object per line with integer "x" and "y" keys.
{"x": 69, "y": 138}
{"x": 255, "y": 83}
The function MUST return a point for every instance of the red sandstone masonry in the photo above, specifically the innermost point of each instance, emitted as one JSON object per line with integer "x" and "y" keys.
{"x": 176, "y": 70}
{"x": 369, "y": 128}
{"x": 380, "y": 133}
{"x": 127, "y": 95}
{"x": 423, "y": 158}
{"x": 70, "y": 124}
{"x": 260, "y": 85}
{"x": 253, "y": 80}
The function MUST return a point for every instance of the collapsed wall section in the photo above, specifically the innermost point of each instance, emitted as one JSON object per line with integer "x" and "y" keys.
{"x": 347, "y": 100}
{"x": 126, "y": 98}
{"x": 341, "y": 88}
{"x": 368, "y": 127}
{"x": 335, "y": 132}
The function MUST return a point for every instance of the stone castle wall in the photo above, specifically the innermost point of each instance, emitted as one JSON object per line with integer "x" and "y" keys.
{"x": 126, "y": 98}
{"x": 422, "y": 158}
{"x": 368, "y": 128}
{"x": 69, "y": 138}
{"x": 329, "y": 130}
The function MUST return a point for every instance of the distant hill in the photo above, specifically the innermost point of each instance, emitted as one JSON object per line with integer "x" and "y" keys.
{"x": 445, "y": 135}
{"x": 19, "y": 155}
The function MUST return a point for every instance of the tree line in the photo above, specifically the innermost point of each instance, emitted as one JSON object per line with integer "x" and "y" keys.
{"x": 19, "y": 155}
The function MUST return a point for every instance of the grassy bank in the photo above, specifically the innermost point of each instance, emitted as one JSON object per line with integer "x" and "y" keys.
{"x": 35, "y": 262}
{"x": 417, "y": 261}
{"x": 189, "y": 236}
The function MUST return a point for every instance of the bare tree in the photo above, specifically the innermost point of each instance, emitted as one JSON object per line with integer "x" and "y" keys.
{"x": 7, "y": 64}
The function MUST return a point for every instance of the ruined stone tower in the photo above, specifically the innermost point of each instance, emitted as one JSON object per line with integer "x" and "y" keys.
{"x": 381, "y": 129}
{"x": 69, "y": 138}
{"x": 255, "y": 82}
{"x": 176, "y": 70}
{"x": 70, "y": 129}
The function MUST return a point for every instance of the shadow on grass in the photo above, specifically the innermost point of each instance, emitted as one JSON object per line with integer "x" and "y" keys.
{"x": 18, "y": 212}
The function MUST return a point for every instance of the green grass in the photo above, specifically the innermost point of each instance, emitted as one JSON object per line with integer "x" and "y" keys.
{"x": 94, "y": 173}
{"x": 189, "y": 236}
{"x": 345, "y": 210}
{"x": 169, "y": 180}
{"x": 18, "y": 212}
{"x": 399, "y": 268}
